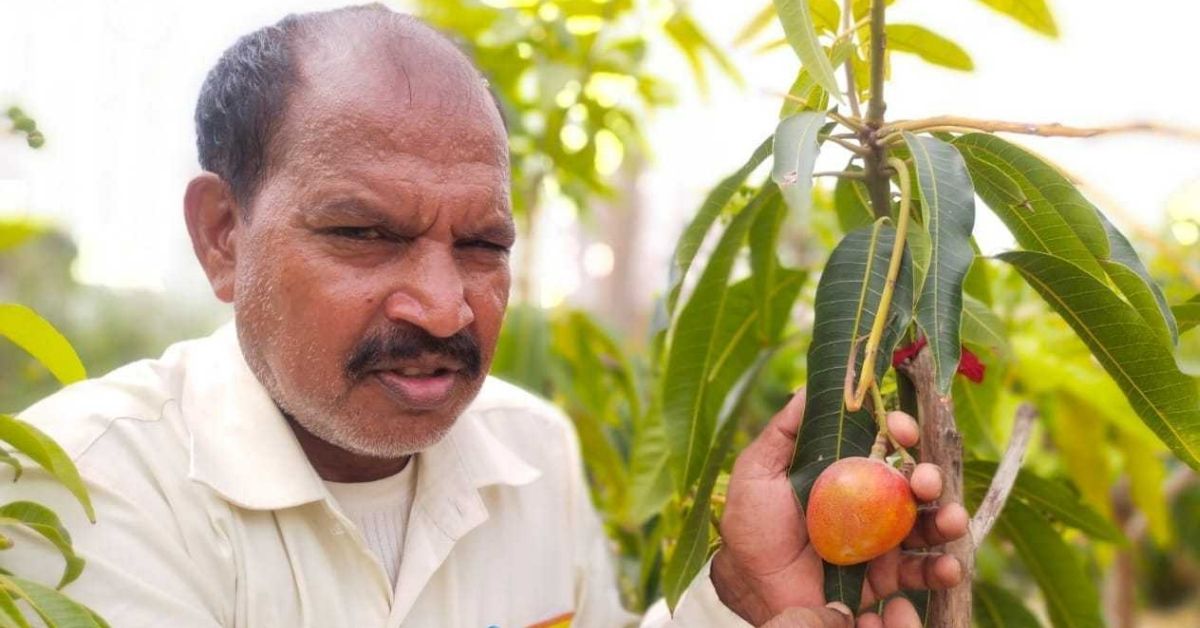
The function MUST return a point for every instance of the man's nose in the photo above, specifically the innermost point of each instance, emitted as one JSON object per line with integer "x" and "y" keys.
{"x": 430, "y": 294}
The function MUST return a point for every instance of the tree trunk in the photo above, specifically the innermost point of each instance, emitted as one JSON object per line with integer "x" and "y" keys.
{"x": 941, "y": 444}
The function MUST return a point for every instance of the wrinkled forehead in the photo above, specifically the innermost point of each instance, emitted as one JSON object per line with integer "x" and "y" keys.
{"x": 376, "y": 94}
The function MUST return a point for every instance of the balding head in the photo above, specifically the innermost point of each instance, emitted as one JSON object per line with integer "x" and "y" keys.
{"x": 241, "y": 116}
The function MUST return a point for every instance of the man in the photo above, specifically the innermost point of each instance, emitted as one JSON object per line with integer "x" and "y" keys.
{"x": 337, "y": 456}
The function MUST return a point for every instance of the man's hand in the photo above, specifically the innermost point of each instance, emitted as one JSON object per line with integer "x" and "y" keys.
{"x": 766, "y": 564}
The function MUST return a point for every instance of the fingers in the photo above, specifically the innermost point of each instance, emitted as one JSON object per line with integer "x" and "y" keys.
{"x": 895, "y": 571}
{"x": 938, "y": 526}
{"x": 903, "y": 428}
{"x": 897, "y": 613}
{"x": 833, "y": 615}
{"x": 926, "y": 482}
{"x": 771, "y": 452}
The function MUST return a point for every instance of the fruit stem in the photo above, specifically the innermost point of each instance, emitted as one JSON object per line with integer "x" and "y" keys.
{"x": 854, "y": 399}
{"x": 885, "y": 436}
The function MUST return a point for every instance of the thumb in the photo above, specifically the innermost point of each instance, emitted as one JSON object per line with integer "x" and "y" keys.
{"x": 771, "y": 452}
{"x": 834, "y": 615}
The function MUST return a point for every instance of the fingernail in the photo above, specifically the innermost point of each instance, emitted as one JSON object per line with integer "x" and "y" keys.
{"x": 839, "y": 607}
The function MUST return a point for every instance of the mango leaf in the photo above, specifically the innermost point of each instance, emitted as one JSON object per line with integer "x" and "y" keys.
{"x": 10, "y": 615}
{"x": 11, "y": 461}
{"x": 920, "y": 248}
{"x": 1128, "y": 272}
{"x": 798, "y": 28}
{"x": 712, "y": 342}
{"x": 974, "y": 408}
{"x": 1080, "y": 435}
{"x": 1035, "y": 14}
{"x": 41, "y": 340}
{"x": 764, "y": 262}
{"x": 691, "y": 551}
{"x": 694, "y": 43}
{"x": 978, "y": 283}
{"x": 1046, "y": 496}
{"x": 55, "y": 608}
{"x": 928, "y": 45}
{"x": 1165, "y": 399}
{"x": 995, "y": 607}
{"x": 847, "y": 299}
{"x": 30, "y": 441}
{"x": 1187, "y": 314}
{"x": 1039, "y": 205}
{"x": 805, "y": 94}
{"x": 852, "y": 202}
{"x": 693, "y": 235}
{"x": 1071, "y": 597}
{"x": 756, "y": 25}
{"x": 796, "y": 149}
{"x": 650, "y": 476}
{"x": 43, "y": 521}
{"x": 1147, "y": 477}
{"x": 825, "y": 15}
{"x": 16, "y": 231}
{"x": 982, "y": 327}
{"x": 949, "y": 202}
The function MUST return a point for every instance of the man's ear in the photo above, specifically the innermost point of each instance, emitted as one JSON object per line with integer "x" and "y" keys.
{"x": 212, "y": 220}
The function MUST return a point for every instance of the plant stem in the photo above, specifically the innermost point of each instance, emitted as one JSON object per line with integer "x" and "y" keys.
{"x": 850, "y": 146}
{"x": 1046, "y": 130}
{"x": 1006, "y": 475}
{"x": 877, "y": 180}
{"x": 841, "y": 174}
{"x": 854, "y": 399}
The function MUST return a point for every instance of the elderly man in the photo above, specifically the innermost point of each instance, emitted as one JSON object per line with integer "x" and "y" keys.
{"x": 337, "y": 455}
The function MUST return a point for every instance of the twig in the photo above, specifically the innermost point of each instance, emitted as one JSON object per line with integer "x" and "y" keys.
{"x": 1006, "y": 474}
{"x": 850, "y": 123}
{"x": 850, "y": 146}
{"x": 1046, "y": 130}
{"x": 841, "y": 174}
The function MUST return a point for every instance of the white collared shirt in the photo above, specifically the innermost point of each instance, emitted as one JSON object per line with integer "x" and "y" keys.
{"x": 210, "y": 515}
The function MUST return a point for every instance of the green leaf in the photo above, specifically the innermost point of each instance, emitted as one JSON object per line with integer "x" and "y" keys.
{"x": 995, "y": 607}
{"x": 694, "y": 43}
{"x": 852, "y": 202}
{"x": 43, "y": 521}
{"x": 41, "y": 340}
{"x": 1039, "y": 205}
{"x": 693, "y": 236}
{"x": 10, "y": 615}
{"x": 825, "y": 15}
{"x": 982, "y": 327}
{"x": 1049, "y": 497}
{"x": 847, "y": 299}
{"x": 1071, "y": 597}
{"x": 798, "y": 27}
{"x": 691, "y": 551}
{"x": 11, "y": 461}
{"x": 1147, "y": 477}
{"x": 16, "y": 231}
{"x": 978, "y": 283}
{"x": 796, "y": 149}
{"x": 42, "y": 449}
{"x": 949, "y": 202}
{"x": 1165, "y": 399}
{"x": 1034, "y": 14}
{"x": 920, "y": 248}
{"x": 55, "y": 608}
{"x": 928, "y": 45}
{"x": 756, "y": 25}
{"x": 974, "y": 407}
{"x": 806, "y": 94}
{"x": 1080, "y": 435}
{"x": 1128, "y": 272}
{"x": 1187, "y": 314}
{"x": 712, "y": 342}
{"x": 650, "y": 476}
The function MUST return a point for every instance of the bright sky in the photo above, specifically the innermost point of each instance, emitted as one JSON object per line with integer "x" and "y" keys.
{"x": 113, "y": 85}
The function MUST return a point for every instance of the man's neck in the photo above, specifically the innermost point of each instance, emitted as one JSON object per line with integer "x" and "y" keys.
{"x": 335, "y": 464}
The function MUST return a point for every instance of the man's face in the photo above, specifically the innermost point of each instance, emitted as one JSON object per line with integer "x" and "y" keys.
{"x": 372, "y": 274}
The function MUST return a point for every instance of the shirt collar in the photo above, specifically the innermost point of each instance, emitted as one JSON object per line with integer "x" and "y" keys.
{"x": 242, "y": 447}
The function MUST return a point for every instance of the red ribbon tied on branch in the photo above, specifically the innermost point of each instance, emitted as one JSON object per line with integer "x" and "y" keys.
{"x": 969, "y": 365}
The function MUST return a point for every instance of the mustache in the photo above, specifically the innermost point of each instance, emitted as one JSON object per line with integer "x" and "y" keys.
{"x": 379, "y": 349}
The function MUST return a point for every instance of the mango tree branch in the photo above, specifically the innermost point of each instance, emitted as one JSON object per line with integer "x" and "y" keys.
{"x": 941, "y": 444}
{"x": 851, "y": 90}
{"x": 876, "y": 165}
{"x": 1053, "y": 129}
{"x": 1006, "y": 474}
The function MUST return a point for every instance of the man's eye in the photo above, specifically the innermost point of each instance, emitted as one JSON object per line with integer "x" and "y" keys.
{"x": 357, "y": 233}
{"x": 486, "y": 245}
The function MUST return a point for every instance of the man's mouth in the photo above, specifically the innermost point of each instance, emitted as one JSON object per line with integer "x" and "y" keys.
{"x": 419, "y": 388}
